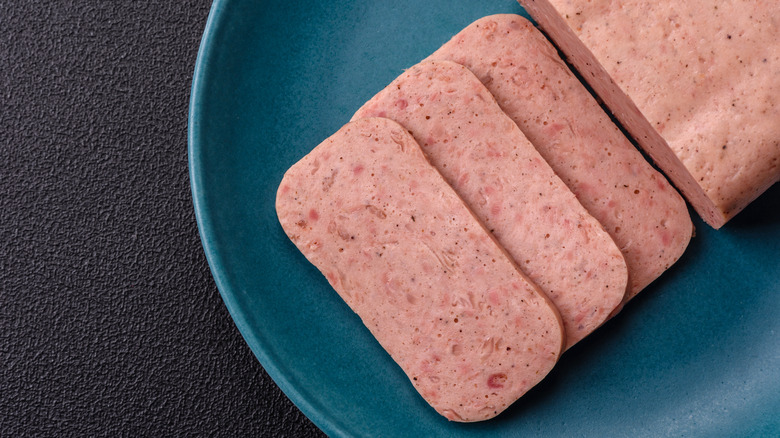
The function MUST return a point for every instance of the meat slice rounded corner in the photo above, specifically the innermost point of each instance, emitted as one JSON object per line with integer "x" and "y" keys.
{"x": 471, "y": 332}
{"x": 642, "y": 212}
{"x": 696, "y": 84}
{"x": 489, "y": 162}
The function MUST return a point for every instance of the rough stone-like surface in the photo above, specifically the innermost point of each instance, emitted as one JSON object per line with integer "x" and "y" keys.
{"x": 110, "y": 323}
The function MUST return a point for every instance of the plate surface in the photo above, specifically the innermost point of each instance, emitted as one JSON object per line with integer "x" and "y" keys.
{"x": 696, "y": 354}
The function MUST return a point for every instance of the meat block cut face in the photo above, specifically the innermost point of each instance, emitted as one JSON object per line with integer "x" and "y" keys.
{"x": 695, "y": 83}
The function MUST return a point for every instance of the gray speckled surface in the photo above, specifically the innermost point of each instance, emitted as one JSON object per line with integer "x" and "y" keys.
{"x": 110, "y": 323}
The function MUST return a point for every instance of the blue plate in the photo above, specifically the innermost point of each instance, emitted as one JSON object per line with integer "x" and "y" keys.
{"x": 696, "y": 354}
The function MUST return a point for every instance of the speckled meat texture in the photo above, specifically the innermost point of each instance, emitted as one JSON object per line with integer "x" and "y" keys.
{"x": 436, "y": 290}
{"x": 496, "y": 170}
{"x": 642, "y": 212}
{"x": 696, "y": 83}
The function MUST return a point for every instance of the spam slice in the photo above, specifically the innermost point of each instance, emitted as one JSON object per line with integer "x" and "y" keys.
{"x": 696, "y": 83}
{"x": 642, "y": 212}
{"x": 472, "y": 333}
{"x": 495, "y": 169}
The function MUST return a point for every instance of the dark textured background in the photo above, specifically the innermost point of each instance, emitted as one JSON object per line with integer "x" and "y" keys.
{"x": 110, "y": 323}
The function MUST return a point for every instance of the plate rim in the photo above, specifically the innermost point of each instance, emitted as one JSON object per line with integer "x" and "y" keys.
{"x": 257, "y": 346}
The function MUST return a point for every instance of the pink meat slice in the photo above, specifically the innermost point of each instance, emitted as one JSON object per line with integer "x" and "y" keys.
{"x": 472, "y": 333}
{"x": 489, "y": 162}
{"x": 645, "y": 216}
{"x": 696, "y": 83}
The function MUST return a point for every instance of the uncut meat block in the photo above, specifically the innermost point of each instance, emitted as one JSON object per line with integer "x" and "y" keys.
{"x": 472, "y": 333}
{"x": 696, "y": 83}
{"x": 642, "y": 212}
{"x": 504, "y": 180}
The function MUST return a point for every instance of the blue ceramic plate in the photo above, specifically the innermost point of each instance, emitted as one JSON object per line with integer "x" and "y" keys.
{"x": 696, "y": 354}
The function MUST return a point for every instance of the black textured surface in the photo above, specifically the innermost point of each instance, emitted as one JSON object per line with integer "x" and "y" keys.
{"x": 110, "y": 323}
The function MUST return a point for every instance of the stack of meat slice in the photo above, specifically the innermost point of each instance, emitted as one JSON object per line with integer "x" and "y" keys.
{"x": 481, "y": 214}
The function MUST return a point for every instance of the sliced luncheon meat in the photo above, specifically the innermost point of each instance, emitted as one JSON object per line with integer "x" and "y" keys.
{"x": 696, "y": 83}
{"x": 472, "y": 333}
{"x": 489, "y": 162}
{"x": 645, "y": 216}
